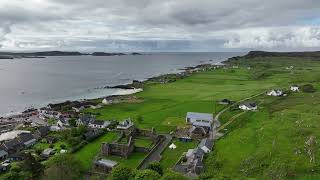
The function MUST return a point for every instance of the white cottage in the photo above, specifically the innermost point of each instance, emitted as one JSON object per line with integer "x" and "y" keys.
{"x": 295, "y": 88}
{"x": 248, "y": 106}
{"x": 275, "y": 92}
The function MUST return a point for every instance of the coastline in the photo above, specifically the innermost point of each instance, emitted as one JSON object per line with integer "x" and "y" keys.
{"x": 125, "y": 89}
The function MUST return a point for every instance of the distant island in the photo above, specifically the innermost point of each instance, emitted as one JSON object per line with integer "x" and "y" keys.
{"x": 43, "y": 54}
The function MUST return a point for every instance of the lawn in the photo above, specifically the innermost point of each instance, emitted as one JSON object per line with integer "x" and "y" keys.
{"x": 57, "y": 145}
{"x": 271, "y": 143}
{"x": 89, "y": 151}
{"x": 171, "y": 156}
{"x": 165, "y": 105}
{"x": 268, "y": 144}
{"x": 133, "y": 160}
{"x": 143, "y": 142}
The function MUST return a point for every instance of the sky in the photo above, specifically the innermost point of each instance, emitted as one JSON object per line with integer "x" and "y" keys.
{"x": 159, "y": 25}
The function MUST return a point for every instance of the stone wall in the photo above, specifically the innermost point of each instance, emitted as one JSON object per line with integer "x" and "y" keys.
{"x": 122, "y": 150}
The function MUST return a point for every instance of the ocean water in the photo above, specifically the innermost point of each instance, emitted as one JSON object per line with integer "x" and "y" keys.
{"x": 28, "y": 83}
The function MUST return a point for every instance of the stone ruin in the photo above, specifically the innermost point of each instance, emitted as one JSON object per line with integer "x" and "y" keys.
{"x": 125, "y": 149}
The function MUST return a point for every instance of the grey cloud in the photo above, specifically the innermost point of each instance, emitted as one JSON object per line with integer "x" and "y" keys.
{"x": 121, "y": 24}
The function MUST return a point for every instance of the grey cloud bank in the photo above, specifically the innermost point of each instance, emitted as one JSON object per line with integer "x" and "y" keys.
{"x": 168, "y": 25}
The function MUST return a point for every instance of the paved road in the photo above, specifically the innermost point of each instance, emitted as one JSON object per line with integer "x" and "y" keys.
{"x": 156, "y": 154}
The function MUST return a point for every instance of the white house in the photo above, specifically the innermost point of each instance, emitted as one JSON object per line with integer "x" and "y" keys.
{"x": 198, "y": 117}
{"x": 295, "y": 88}
{"x": 106, "y": 102}
{"x": 63, "y": 122}
{"x": 124, "y": 125}
{"x": 99, "y": 124}
{"x": 275, "y": 92}
{"x": 78, "y": 109}
{"x": 248, "y": 106}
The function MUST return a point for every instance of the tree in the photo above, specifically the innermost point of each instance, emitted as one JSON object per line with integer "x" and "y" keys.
{"x": 12, "y": 175}
{"x": 155, "y": 166}
{"x": 121, "y": 173}
{"x": 63, "y": 167}
{"x": 147, "y": 174}
{"x": 173, "y": 176}
{"x": 31, "y": 165}
{"x": 73, "y": 122}
{"x": 308, "y": 88}
{"x": 63, "y": 146}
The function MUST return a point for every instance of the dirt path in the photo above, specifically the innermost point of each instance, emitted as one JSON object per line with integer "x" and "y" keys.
{"x": 217, "y": 128}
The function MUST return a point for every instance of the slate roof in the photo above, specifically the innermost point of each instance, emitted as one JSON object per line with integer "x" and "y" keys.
{"x": 207, "y": 143}
{"x": 195, "y": 129}
{"x": 106, "y": 162}
{"x": 25, "y": 137}
{"x": 202, "y": 124}
{"x": 3, "y": 153}
{"x": 85, "y": 119}
{"x": 63, "y": 120}
{"x": 100, "y": 123}
{"x": 43, "y": 130}
{"x": 198, "y": 152}
{"x": 48, "y": 151}
{"x": 249, "y": 104}
{"x": 11, "y": 144}
{"x": 225, "y": 101}
{"x": 18, "y": 155}
{"x": 200, "y": 116}
{"x": 125, "y": 124}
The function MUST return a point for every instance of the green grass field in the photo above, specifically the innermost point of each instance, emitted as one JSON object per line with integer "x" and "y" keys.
{"x": 171, "y": 156}
{"x": 268, "y": 144}
{"x": 133, "y": 160}
{"x": 89, "y": 151}
{"x": 143, "y": 142}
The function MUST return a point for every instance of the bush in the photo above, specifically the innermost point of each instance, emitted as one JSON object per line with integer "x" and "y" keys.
{"x": 39, "y": 151}
{"x": 51, "y": 146}
{"x": 308, "y": 88}
{"x": 63, "y": 146}
{"x": 155, "y": 166}
{"x": 77, "y": 147}
{"x": 147, "y": 174}
{"x": 63, "y": 166}
{"x": 173, "y": 176}
{"x": 121, "y": 173}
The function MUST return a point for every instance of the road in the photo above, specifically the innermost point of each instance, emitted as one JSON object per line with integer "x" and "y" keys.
{"x": 217, "y": 124}
{"x": 156, "y": 154}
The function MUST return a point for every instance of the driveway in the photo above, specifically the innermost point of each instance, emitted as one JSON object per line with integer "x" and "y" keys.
{"x": 156, "y": 154}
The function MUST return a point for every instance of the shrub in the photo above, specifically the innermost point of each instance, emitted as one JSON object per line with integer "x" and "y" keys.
{"x": 39, "y": 150}
{"x": 51, "y": 146}
{"x": 63, "y": 146}
{"x": 121, "y": 173}
{"x": 147, "y": 174}
{"x": 308, "y": 88}
{"x": 155, "y": 166}
{"x": 173, "y": 176}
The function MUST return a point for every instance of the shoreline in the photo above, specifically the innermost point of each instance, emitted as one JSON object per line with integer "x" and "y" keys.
{"x": 126, "y": 89}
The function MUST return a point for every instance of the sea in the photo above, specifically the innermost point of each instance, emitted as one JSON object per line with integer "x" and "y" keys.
{"x": 35, "y": 82}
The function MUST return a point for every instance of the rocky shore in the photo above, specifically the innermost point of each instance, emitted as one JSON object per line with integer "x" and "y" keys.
{"x": 134, "y": 87}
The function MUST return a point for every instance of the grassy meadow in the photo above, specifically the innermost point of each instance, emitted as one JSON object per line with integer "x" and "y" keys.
{"x": 87, "y": 154}
{"x": 267, "y": 144}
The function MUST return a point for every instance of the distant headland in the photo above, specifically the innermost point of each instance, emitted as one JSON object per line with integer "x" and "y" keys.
{"x": 43, "y": 54}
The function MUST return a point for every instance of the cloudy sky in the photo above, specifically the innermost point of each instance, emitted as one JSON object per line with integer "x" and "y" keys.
{"x": 159, "y": 25}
